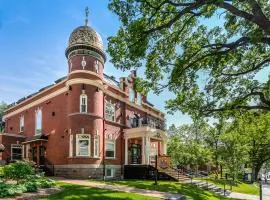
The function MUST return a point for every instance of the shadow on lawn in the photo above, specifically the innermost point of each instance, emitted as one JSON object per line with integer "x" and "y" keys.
{"x": 173, "y": 187}
{"x": 84, "y": 192}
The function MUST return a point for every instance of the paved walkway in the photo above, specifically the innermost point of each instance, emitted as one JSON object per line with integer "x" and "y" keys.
{"x": 151, "y": 193}
{"x": 236, "y": 195}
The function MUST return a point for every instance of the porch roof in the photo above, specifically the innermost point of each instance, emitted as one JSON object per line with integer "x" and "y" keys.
{"x": 145, "y": 131}
{"x": 36, "y": 138}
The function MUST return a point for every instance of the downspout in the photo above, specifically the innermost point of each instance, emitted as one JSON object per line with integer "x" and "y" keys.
{"x": 104, "y": 167}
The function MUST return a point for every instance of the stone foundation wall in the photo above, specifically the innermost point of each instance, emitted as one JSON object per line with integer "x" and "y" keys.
{"x": 85, "y": 172}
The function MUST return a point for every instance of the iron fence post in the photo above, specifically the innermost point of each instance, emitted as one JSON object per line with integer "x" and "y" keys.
{"x": 260, "y": 190}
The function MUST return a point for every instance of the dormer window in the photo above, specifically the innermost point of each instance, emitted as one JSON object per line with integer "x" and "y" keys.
{"x": 139, "y": 99}
{"x": 96, "y": 66}
{"x": 38, "y": 121}
{"x": 21, "y": 123}
{"x": 131, "y": 95}
{"x": 83, "y": 103}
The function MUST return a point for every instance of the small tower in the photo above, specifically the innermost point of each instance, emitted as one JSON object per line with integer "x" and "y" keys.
{"x": 85, "y": 80}
{"x": 85, "y": 49}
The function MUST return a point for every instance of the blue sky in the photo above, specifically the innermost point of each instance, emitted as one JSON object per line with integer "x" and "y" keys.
{"x": 33, "y": 38}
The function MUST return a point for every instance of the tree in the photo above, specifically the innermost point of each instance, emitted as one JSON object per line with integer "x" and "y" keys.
{"x": 187, "y": 148}
{"x": 3, "y": 107}
{"x": 209, "y": 68}
{"x": 254, "y": 130}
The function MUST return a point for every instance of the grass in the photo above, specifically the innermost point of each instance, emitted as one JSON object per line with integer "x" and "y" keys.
{"x": 238, "y": 186}
{"x": 84, "y": 192}
{"x": 189, "y": 191}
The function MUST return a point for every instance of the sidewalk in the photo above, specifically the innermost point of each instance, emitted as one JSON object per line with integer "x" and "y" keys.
{"x": 236, "y": 195}
{"x": 151, "y": 193}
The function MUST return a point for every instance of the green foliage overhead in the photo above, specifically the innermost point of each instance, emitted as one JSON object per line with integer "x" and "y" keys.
{"x": 209, "y": 51}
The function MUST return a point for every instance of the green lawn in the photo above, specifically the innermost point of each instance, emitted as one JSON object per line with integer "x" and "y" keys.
{"x": 84, "y": 192}
{"x": 238, "y": 186}
{"x": 189, "y": 191}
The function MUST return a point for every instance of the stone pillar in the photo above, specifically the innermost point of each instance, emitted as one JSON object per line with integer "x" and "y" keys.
{"x": 147, "y": 150}
{"x": 143, "y": 150}
{"x": 126, "y": 151}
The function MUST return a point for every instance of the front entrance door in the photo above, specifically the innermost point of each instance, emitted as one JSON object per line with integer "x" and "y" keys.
{"x": 41, "y": 155}
{"x": 136, "y": 154}
{"x": 34, "y": 154}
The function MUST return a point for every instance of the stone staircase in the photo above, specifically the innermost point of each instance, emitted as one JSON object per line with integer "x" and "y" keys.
{"x": 211, "y": 187}
{"x": 175, "y": 174}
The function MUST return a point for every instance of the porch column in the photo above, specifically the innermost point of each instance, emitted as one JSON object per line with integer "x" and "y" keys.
{"x": 126, "y": 151}
{"x": 143, "y": 150}
{"x": 164, "y": 144}
{"x": 147, "y": 150}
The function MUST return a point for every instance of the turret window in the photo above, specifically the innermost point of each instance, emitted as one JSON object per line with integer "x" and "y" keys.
{"x": 38, "y": 122}
{"x": 83, "y": 103}
{"x": 110, "y": 111}
{"x": 96, "y": 66}
{"x": 83, "y": 145}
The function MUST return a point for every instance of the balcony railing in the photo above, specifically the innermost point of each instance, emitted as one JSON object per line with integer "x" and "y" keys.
{"x": 143, "y": 122}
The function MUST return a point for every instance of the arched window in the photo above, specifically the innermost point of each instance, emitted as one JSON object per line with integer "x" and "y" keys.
{"x": 21, "y": 123}
{"x": 38, "y": 121}
{"x": 83, "y": 103}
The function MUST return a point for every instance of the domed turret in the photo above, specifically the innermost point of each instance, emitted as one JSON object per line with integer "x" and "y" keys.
{"x": 83, "y": 40}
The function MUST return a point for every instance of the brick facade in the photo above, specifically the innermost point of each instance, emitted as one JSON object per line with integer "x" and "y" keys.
{"x": 62, "y": 119}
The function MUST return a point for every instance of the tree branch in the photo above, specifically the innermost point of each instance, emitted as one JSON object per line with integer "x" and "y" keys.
{"x": 255, "y": 67}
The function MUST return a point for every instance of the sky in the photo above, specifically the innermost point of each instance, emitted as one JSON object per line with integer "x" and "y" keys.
{"x": 33, "y": 39}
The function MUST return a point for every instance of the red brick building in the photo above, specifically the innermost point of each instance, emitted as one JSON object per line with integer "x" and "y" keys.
{"x": 86, "y": 124}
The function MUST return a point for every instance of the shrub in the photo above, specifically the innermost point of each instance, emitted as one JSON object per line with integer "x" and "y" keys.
{"x": 11, "y": 189}
{"x": 17, "y": 171}
{"x": 30, "y": 186}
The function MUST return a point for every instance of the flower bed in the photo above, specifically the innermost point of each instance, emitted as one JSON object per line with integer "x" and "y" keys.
{"x": 20, "y": 177}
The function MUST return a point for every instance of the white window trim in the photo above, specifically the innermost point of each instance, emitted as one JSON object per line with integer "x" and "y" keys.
{"x": 16, "y": 146}
{"x": 81, "y": 97}
{"x": 89, "y": 145}
{"x": 38, "y": 110}
{"x": 112, "y": 173}
{"x": 114, "y": 141}
{"x": 111, "y": 105}
{"x": 21, "y": 123}
{"x": 71, "y": 145}
{"x": 96, "y": 140}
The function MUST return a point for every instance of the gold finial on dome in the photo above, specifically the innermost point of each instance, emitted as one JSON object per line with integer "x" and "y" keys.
{"x": 86, "y": 15}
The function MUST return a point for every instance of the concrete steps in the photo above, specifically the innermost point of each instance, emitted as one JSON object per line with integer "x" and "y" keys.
{"x": 211, "y": 187}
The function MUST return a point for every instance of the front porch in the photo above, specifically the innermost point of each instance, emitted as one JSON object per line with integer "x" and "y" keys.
{"x": 143, "y": 144}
